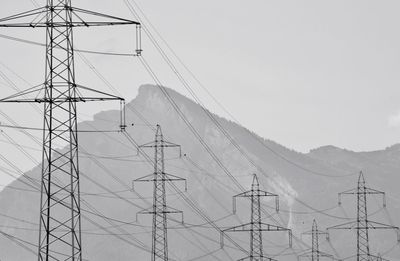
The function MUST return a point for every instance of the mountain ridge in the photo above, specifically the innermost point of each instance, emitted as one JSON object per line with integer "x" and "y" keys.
{"x": 109, "y": 159}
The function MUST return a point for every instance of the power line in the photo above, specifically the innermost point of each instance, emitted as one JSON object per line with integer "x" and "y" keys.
{"x": 362, "y": 224}
{"x": 196, "y": 98}
{"x": 214, "y": 120}
{"x": 315, "y": 252}
{"x": 256, "y": 226}
{"x": 103, "y": 166}
{"x": 60, "y": 96}
{"x": 194, "y": 206}
{"x": 159, "y": 210}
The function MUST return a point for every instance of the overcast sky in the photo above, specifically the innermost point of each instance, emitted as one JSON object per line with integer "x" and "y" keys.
{"x": 304, "y": 73}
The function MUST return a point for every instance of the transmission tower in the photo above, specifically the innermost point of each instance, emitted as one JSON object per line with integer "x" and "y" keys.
{"x": 256, "y": 226}
{"x": 159, "y": 209}
{"x": 314, "y": 254}
{"x": 362, "y": 224}
{"x": 60, "y": 211}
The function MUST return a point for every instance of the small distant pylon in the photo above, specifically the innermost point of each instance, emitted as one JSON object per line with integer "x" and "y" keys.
{"x": 256, "y": 227}
{"x": 159, "y": 209}
{"x": 314, "y": 254}
{"x": 362, "y": 224}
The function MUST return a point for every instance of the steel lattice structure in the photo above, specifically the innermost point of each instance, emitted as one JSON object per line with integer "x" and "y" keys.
{"x": 362, "y": 224}
{"x": 314, "y": 254}
{"x": 159, "y": 209}
{"x": 256, "y": 227}
{"x": 60, "y": 211}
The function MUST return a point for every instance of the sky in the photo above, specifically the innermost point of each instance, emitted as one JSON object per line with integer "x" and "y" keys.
{"x": 304, "y": 73}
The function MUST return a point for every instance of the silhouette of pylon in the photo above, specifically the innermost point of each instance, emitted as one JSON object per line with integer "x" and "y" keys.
{"x": 159, "y": 209}
{"x": 362, "y": 224}
{"x": 314, "y": 254}
{"x": 256, "y": 226}
{"x": 60, "y": 211}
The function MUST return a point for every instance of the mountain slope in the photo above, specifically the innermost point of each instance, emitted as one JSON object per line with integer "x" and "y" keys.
{"x": 108, "y": 163}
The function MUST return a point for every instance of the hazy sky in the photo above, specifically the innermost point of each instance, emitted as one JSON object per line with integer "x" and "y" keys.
{"x": 303, "y": 73}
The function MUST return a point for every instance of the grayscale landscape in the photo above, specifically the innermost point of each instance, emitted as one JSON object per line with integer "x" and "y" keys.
{"x": 307, "y": 185}
{"x": 224, "y": 130}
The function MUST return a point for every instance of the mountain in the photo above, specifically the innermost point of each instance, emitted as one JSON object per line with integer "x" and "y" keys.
{"x": 306, "y": 183}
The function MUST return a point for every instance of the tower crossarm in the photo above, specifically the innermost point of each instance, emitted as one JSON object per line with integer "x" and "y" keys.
{"x": 256, "y": 193}
{"x": 366, "y": 190}
{"x": 353, "y": 191}
{"x": 371, "y": 191}
{"x": 36, "y": 18}
{"x": 240, "y": 228}
{"x": 160, "y": 144}
{"x": 377, "y": 258}
{"x": 165, "y": 144}
{"x": 20, "y": 97}
{"x": 260, "y": 193}
{"x": 377, "y": 225}
{"x": 269, "y": 227}
{"x": 319, "y": 232}
{"x": 323, "y": 254}
{"x": 166, "y": 177}
{"x": 319, "y": 253}
{"x": 263, "y": 227}
{"x": 370, "y": 225}
{"x": 258, "y": 258}
{"x": 36, "y": 95}
{"x": 167, "y": 210}
{"x": 347, "y": 225}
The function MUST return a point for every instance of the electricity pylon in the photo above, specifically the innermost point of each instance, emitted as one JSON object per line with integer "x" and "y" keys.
{"x": 159, "y": 209}
{"x": 60, "y": 211}
{"x": 256, "y": 226}
{"x": 362, "y": 224}
{"x": 314, "y": 254}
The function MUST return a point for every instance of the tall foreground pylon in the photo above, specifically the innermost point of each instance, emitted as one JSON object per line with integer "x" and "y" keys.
{"x": 362, "y": 224}
{"x": 159, "y": 209}
{"x": 314, "y": 254}
{"x": 256, "y": 226}
{"x": 60, "y": 211}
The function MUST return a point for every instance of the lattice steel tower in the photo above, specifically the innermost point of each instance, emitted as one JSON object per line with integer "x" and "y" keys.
{"x": 362, "y": 224}
{"x": 314, "y": 254}
{"x": 256, "y": 226}
{"x": 159, "y": 209}
{"x": 60, "y": 212}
